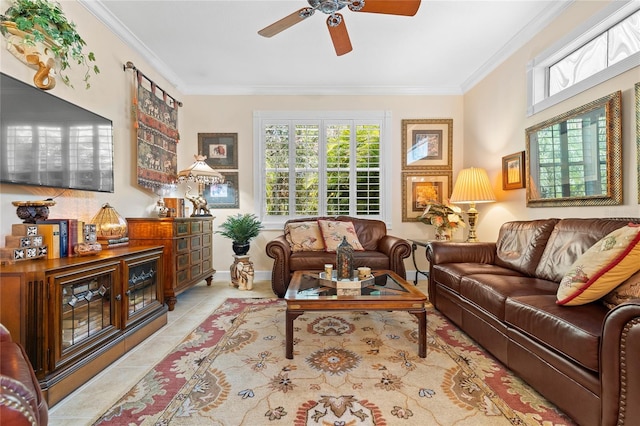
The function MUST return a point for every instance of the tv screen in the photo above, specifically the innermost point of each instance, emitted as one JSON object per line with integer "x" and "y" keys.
{"x": 47, "y": 141}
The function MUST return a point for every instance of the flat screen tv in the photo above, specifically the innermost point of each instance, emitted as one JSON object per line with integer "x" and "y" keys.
{"x": 47, "y": 141}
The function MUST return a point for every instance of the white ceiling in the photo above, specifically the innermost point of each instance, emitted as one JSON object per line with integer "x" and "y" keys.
{"x": 212, "y": 46}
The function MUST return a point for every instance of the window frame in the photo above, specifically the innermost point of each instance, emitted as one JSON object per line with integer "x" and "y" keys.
{"x": 383, "y": 117}
{"x": 538, "y": 98}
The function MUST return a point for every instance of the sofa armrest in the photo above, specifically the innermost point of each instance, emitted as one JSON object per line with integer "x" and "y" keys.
{"x": 454, "y": 252}
{"x": 280, "y": 250}
{"x": 397, "y": 249}
{"x": 619, "y": 367}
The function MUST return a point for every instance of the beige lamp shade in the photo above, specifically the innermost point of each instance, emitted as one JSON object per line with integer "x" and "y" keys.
{"x": 472, "y": 186}
{"x": 200, "y": 172}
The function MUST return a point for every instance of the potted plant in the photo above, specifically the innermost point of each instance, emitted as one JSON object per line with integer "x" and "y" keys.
{"x": 241, "y": 229}
{"x": 42, "y": 21}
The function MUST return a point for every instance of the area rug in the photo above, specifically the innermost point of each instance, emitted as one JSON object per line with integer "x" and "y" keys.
{"x": 349, "y": 368}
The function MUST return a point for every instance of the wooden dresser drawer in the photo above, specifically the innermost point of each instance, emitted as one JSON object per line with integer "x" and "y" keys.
{"x": 196, "y": 242}
{"x": 196, "y": 227}
{"x": 196, "y": 256}
{"x": 207, "y": 226}
{"x": 182, "y": 228}
{"x": 206, "y": 240}
{"x": 181, "y": 245}
{"x": 182, "y": 261}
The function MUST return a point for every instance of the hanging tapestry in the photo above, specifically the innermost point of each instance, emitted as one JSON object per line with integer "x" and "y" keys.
{"x": 157, "y": 124}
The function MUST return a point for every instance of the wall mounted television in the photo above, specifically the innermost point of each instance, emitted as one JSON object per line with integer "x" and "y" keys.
{"x": 47, "y": 141}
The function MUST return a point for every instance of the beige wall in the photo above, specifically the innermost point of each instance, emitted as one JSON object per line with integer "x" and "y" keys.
{"x": 495, "y": 122}
{"x": 489, "y": 122}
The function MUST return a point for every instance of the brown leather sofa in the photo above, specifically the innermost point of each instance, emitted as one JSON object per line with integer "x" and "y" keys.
{"x": 382, "y": 251}
{"x": 21, "y": 400}
{"x": 585, "y": 359}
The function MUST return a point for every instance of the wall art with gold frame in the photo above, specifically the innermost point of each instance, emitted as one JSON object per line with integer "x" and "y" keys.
{"x": 221, "y": 149}
{"x": 513, "y": 176}
{"x": 575, "y": 159}
{"x": 419, "y": 189}
{"x": 427, "y": 144}
{"x": 223, "y": 195}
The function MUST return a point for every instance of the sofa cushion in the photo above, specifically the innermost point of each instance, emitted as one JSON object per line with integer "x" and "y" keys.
{"x": 450, "y": 274}
{"x": 370, "y": 231}
{"x": 304, "y": 236}
{"x": 520, "y": 244}
{"x": 569, "y": 239}
{"x": 603, "y": 267}
{"x": 628, "y": 290}
{"x": 573, "y": 332}
{"x": 334, "y": 231}
{"x": 315, "y": 260}
{"x": 490, "y": 292}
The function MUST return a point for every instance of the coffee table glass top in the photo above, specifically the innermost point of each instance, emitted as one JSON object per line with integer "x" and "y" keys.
{"x": 382, "y": 284}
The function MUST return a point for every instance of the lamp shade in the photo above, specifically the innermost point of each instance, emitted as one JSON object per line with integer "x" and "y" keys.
{"x": 200, "y": 172}
{"x": 472, "y": 186}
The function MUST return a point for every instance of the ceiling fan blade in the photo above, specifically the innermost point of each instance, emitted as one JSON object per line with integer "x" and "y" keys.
{"x": 339, "y": 34}
{"x": 286, "y": 22}
{"x": 389, "y": 7}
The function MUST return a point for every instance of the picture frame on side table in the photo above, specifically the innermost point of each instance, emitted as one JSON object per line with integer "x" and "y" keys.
{"x": 223, "y": 195}
{"x": 419, "y": 189}
{"x": 513, "y": 176}
{"x": 221, "y": 149}
{"x": 427, "y": 144}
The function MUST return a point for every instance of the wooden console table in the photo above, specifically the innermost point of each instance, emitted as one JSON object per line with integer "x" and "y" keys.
{"x": 74, "y": 316}
{"x": 188, "y": 244}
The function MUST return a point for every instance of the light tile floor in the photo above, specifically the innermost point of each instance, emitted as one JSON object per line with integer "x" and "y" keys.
{"x": 88, "y": 402}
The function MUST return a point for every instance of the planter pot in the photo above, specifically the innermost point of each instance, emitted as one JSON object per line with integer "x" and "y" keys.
{"x": 443, "y": 234}
{"x": 240, "y": 249}
{"x": 37, "y": 55}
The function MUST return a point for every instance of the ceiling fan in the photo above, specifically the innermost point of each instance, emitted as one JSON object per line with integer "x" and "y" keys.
{"x": 335, "y": 21}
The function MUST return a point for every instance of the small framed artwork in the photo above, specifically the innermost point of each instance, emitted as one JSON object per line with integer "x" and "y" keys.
{"x": 419, "y": 189}
{"x": 221, "y": 149}
{"x": 427, "y": 144}
{"x": 223, "y": 195}
{"x": 513, "y": 171}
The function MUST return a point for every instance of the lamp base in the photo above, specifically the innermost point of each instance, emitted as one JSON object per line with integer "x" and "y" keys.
{"x": 473, "y": 216}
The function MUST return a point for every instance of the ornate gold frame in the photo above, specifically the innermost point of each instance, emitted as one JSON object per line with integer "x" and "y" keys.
{"x": 611, "y": 106}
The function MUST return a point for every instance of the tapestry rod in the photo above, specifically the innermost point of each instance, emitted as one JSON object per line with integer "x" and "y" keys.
{"x": 129, "y": 66}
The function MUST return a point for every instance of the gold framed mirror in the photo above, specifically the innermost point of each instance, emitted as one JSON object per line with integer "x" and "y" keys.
{"x": 575, "y": 159}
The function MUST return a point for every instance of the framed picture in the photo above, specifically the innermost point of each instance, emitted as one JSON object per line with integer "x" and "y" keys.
{"x": 419, "y": 189}
{"x": 221, "y": 149}
{"x": 223, "y": 195}
{"x": 427, "y": 144}
{"x": 513, "y": 171}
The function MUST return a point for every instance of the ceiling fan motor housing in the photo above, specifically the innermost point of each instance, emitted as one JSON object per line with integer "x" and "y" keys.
{"x": 327, "y": 6}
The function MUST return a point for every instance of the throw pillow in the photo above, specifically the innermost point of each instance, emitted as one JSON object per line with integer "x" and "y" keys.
{"x": 602, "y": 267}
{"x": 304, "y": 236}
{"x": 630, "y": 289}
{"x": 333, "y": 231}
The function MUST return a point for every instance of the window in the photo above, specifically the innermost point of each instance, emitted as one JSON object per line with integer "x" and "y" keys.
{"x": 321, "y": 163}
{"x": 604, "y": 47}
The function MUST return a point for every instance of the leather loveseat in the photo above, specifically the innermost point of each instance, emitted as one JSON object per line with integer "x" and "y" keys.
{"x": 381, "y": 251}
{"x": 585, "y": 358}
{"x": 21, "y": 400}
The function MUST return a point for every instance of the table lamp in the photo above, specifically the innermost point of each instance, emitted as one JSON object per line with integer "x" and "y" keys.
{"x": 472, "y": 186}
{"x": 202, "y": 174}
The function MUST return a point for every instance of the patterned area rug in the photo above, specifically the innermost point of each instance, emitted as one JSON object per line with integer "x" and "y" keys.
{"x": 358, "y": 368}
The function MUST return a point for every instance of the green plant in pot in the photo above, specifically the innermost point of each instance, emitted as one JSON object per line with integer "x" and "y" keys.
{"x": 241, "y": 229}
{"x": 42, "y": 21}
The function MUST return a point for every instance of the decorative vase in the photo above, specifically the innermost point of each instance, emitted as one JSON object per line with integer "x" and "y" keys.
{"x": 240, "y": 249}
{"x": 344, "y": 260}
{"x": 32, "y": 211}
{"x": 443, "y": 234}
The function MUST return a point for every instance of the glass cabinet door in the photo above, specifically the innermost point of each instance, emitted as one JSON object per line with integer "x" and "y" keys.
{"x": 142, "y": 292}
{"x": 87, "y": 312}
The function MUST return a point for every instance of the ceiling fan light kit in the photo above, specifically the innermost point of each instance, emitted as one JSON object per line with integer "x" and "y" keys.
{"x": 335, "y": 21}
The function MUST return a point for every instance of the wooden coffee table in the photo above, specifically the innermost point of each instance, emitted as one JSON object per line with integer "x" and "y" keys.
{"x": 388, "y": 292}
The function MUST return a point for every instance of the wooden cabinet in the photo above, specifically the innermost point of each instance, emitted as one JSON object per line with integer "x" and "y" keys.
{"x": 75, "y": 316}
{"x": 188, "y": 244}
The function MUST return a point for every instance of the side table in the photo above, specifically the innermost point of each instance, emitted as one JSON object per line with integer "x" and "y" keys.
{"x": 242, "y": 272}
{"x": 414, "y": 247}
